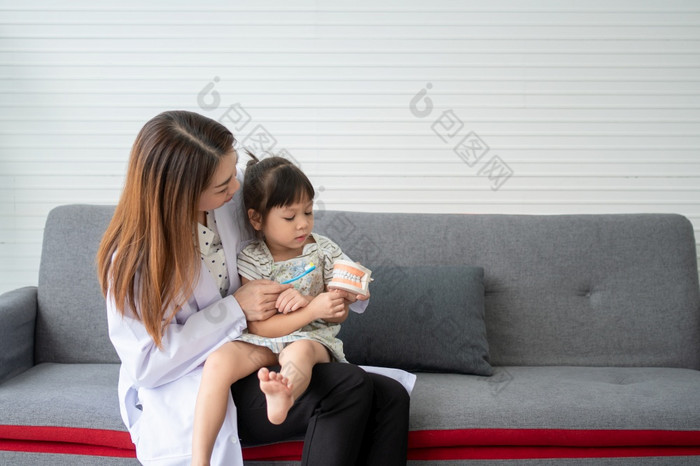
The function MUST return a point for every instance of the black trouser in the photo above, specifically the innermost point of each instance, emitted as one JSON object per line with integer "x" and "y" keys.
{"x": 346, "y": 417}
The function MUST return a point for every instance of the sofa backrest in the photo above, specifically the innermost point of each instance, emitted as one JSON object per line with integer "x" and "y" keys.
{"x": 612, "y": 290}
{"x": 71, "y": 323}
{"x": 596, "y": 290}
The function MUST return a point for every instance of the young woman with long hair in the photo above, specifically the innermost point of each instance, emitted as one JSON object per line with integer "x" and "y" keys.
{"x": 173, "y": 297}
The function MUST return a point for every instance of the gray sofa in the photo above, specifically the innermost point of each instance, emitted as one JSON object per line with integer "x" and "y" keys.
{"x": 592, "y": 337}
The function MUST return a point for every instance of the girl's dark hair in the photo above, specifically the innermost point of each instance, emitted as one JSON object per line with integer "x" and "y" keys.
{"x": 274, "y": 182}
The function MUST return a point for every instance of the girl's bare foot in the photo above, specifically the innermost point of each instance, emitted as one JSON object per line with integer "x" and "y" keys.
{"x": 278, "y": 392}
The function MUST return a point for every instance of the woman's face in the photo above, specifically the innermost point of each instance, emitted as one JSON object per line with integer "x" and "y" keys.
{"x": 223, "y": 185}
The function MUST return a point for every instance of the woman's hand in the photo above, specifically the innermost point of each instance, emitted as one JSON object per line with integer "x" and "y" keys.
{"x": 290, "y": 300}
{"x": 329, "y": 306}
{"x": 258, "y": 298}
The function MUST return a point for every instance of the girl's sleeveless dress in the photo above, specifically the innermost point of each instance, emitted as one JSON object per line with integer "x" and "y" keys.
{"x": 255, "y": 262}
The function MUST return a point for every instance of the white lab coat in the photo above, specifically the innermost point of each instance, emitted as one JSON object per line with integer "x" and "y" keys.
{"x": 158, "y": 388}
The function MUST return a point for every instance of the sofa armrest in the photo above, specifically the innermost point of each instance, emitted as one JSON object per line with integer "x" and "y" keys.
{"x": 18, "y": 310}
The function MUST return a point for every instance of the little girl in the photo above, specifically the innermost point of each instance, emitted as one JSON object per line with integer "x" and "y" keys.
{"x": 278, "y": 198}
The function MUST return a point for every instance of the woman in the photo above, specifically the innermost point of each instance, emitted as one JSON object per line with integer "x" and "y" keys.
{"x": 166, "y": 314}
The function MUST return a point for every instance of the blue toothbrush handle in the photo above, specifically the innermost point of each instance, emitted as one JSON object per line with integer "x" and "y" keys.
{"x": 306, "y": 272}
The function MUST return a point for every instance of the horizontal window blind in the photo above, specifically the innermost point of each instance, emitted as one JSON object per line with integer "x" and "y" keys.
{"x": 542, "y": 107}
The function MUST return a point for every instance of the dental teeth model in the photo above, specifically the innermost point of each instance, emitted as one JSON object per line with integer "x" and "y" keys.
{"x": 350, "y": 276}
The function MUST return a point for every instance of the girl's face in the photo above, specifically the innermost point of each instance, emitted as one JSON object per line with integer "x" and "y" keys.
{"x": 287, "y": 229}
{"x": 223, "y": 185}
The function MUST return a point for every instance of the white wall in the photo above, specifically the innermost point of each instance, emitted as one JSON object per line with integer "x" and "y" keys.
{"x": 587, "y": 107}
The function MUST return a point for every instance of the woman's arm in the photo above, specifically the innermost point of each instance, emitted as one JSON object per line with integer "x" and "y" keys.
{"x": 184, "y": 345}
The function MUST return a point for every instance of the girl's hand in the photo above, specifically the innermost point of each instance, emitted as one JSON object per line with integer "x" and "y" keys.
{"x": 350, "y": 297}
{"x": 258, "y": 298}
{"x": 328, "y": 306}
{"x": 290, "y": 300}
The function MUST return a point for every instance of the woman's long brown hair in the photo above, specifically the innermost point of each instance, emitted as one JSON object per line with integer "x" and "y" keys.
{"x": 148, "y": 259}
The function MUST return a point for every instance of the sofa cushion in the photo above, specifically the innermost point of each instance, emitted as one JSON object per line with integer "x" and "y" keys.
{"x": 422, "y": 318}
{"x": 551, "y": 397}
{"x": 572, "y": 410}
{"x": 65, "y": 395}
{"x": 63, "y": 459}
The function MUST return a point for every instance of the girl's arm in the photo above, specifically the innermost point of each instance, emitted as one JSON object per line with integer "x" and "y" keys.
{"x": 340, "y": 319}
{"x": 331, "y": 253}
{"x": 351, "y": 300}
{"x": 325, "y": 306}
{"x": 347, "y": 300}
{"x": 281, "y": 324}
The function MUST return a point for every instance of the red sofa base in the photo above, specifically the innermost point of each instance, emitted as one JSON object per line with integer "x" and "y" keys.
{"x": 502, "y": 444}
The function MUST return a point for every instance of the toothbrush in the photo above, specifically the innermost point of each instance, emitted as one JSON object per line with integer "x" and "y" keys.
{"x": 306, "y": 271}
